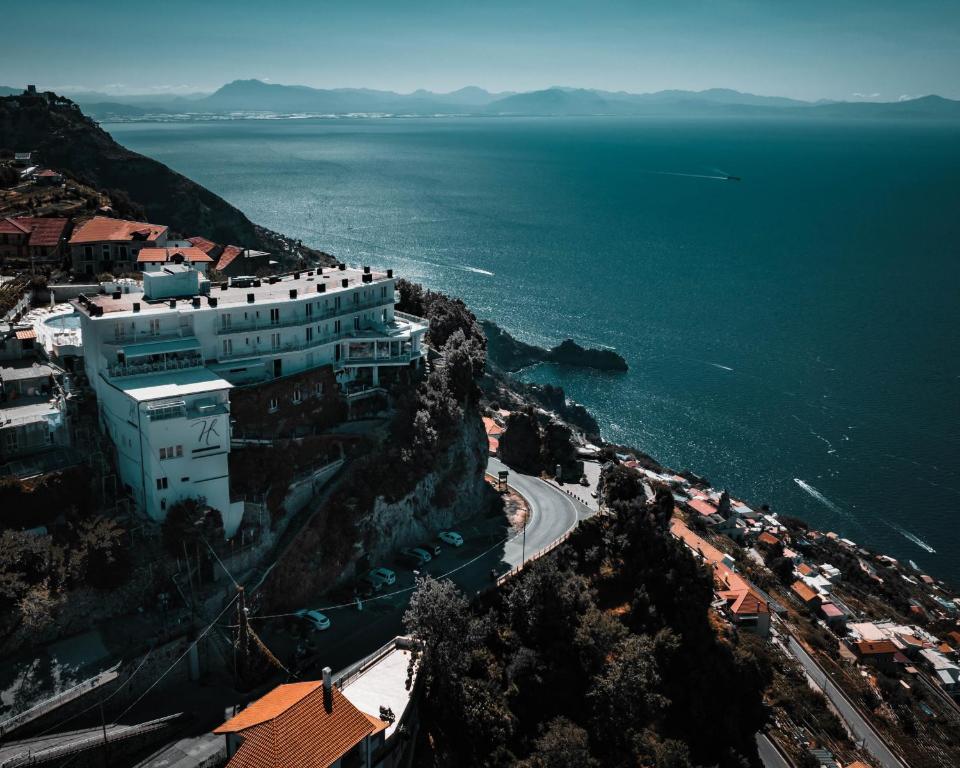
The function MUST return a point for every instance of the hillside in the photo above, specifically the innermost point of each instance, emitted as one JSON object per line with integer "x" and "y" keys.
{"x": 65, "y": 139}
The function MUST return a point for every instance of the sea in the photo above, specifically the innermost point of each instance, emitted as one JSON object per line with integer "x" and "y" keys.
{"x": 791, "y": 336}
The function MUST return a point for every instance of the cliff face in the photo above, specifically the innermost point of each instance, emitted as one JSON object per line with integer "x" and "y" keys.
{"x": 65, "y": 139}
{"x": 452, "y": 491}
{"x": 510, "y": 354}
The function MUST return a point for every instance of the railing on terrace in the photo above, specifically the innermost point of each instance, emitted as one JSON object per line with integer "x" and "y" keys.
{"x": 410, "y": 318}
{"x": 130, "y": 337}
{"x": 134, "y": 369}
{"x": 264, "y": 324}
{"x": 297, "y": 346}
{"x": 169, "y": 410}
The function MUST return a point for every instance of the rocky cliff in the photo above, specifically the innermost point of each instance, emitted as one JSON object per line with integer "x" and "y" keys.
{"x": 453, "y": 490}
{"x": 510, "y": 354}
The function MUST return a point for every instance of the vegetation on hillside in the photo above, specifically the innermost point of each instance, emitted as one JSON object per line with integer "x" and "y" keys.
{"x": 601, "y": 653}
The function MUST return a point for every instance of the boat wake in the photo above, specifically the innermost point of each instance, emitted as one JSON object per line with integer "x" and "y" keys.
{"x": 911, "y": 537}
{"x": 689, "y": 175}
{"x": 819, "y": 497}
{"x": 479, "y": 271}
{"x": 721, "y": 367}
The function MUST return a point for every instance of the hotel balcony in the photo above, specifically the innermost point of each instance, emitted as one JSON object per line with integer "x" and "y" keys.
{"x": 264, "y": 324}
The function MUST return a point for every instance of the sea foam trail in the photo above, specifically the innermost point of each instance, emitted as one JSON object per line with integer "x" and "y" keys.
{"x": 721, "y": 367}
{"x": 479, "y": 271}
{"x": 819, "y": 497}
{"x": 911, "y": 537}
{"x": 688, "y": 175}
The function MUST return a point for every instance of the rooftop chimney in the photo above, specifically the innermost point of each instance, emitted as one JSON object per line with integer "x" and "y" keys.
{"x": 344, "y": 282}
{"x": 367, "y": 278}
{"x": 196, "y": 302}
{"x": 321, "y": 288}
{"x": 173, "y": 303}
{"x": 296, "y": 275}
{"x": 389, "y": 273}
{"x": 327, "y": 689}
{"x": 366, "y": 270}
{"x": 116, "y": 295}
{"x": 341, "y": 266}
{"x": 293, "y": 293}
{"x": 212, "y": 301}
{"x": 136, "y": 306}
{"x": 274, "y": 279}
{"x": 250, "y": 298}
{"x": 224, "y": 286}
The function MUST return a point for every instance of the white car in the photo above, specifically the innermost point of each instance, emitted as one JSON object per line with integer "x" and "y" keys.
{"x": 383, "y": 576}
{"x": 452, "y": 538}
{"x": 315, "y": 619}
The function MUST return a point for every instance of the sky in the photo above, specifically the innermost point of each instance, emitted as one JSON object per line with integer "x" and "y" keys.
{"x": 840, "y": 49}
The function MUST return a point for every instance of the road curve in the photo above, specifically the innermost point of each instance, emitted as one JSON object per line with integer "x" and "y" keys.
{"x": 553, "y": 513}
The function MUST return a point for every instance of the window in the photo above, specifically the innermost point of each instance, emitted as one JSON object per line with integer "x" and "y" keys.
{"x": 297, "y": 394}
{"x": 383, "y": 292}
{"x": 172, "y": 451}
{"x": 161, "y": 483}
{"x": 225, "y": 320}
{"x": 274, "y": 316}
{"x": 275, "y": 340}
{"x": 309, "y": 309}
{"x": 356, "y": 297}
{"x": 274, "y": 405}
{"x": 88, "y": 251}
{"x": 336, "y": 327}
{"x": 163, "y": 454}
{"x": 155, "y": 326}
{"x": 179, "y": 451}
{"x": 336, "y": 303}
{"x": 309, "y": 332}
{"x": 318, "y": 389}
{"x": 119, "y": 331}
{"x": 123, "y": 252}
{"x": 356, "y": 323}
{"x": 11, "y": 440}
{"x": 227, "y": 347}
{"x": 105, "y": 250}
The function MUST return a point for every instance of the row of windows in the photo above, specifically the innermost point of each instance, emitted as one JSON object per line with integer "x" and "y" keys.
{"x": 275, "y": 339}
{"x": 298, "y": 396}
{"x": 174, "y": 451}
{"x": 226, "y": 319}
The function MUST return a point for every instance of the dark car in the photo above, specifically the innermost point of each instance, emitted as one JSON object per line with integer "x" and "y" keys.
{"x": 432, "y": 547}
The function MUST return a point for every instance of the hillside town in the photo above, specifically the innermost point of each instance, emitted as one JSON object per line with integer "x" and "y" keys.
{"x": 231, "y": 478}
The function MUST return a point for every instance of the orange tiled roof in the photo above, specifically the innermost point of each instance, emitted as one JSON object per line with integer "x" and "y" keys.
{"x": 805, "y": 569}
{"x": 955, "y": 636}
{"x": 768, "y": 538}
{"x": 43, "y": 231}
{"x": 194, "y": 254}
{"x": 291, "y": 727}
{"x": 104, "y": 229}
{"x": 873, "y": 647}
{"x": 804, "y": 591}
{"x": 702, "y": 506}
{"x": 491, "y": 426}
{"x": 230, "y": 252}
{"x": 203, "y": 244}
{"x": 26, "y": 335}
{"x": 858, "y": 764}
{"x": 377, "y": 723}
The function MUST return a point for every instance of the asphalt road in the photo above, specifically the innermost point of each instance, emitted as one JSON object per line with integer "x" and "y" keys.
{"x": 855, "y": 722}
{"x": 769, "y": 755}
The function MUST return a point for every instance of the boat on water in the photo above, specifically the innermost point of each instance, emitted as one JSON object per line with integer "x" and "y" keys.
{"x": 733, "y": 178}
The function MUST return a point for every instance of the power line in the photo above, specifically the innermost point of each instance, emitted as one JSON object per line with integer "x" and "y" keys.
{"x": 179, "y": 659}
{"x": 212, "y": 552}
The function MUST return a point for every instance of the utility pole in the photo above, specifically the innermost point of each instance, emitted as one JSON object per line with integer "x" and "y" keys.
{"x": 243, "y": 637}
{"x": 103, "y": 725}
{"x": 523, "y": 556}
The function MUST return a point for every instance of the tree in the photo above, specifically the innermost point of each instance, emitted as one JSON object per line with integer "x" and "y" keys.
{"x": 187, "y": 522}
{"x": 439, "y": 617}
{"x": 520, "y": 441}
{"x": 564, "y": 744}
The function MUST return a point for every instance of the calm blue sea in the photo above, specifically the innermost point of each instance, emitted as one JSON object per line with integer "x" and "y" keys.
{"x": 792, "y": 336}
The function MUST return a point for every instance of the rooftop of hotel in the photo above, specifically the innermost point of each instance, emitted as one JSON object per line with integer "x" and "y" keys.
{"x": 171, "y": 384}
{"x": 380, "y": 684}
{"x": 305, "y": 283}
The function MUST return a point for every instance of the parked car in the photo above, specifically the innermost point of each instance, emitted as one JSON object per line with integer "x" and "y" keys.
{"x": 381, "y": 577}
{"x": 432, "y": 547}
{"x": 413, "y": 557}
{"x": 315, "y": 619}
{"x": 424, "y": 553}
{"x": 452, "y": 538}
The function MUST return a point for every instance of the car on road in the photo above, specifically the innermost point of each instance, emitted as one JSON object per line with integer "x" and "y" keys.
{"x": 424, "y": 553}
{"x": 452, "y": 538}
{"x": 432, "y": 547}
{"x": 380, "y": 577}
{"x": 413, "y": 557}
{"x": 315, "y": 619}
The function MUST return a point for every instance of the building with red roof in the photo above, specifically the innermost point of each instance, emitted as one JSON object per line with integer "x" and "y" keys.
{"x": 212, "y": 249}
{"x": 154, "y": 259}
{"x": 104, "y": 244}
{"x": 29, "y": 240}
{"x": 493, "y": 431}
{"x": 807, "y": 594}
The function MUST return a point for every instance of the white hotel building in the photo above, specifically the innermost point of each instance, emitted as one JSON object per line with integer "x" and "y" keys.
{"x": 162, "y": 364}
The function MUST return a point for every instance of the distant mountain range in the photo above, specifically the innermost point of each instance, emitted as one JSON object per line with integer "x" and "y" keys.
{"x": 243, "y": 96}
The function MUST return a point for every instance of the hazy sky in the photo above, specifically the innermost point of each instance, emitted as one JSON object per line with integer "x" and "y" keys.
{"x": 810, "y": 49}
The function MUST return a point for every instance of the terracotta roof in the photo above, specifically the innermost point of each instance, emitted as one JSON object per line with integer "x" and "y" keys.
{"x": 805, "y": 569}
{"x": 493, "y": 445}
{"x": 193, "y": 254}
{"x": 831, "y": 611}
{"x": 702, "y": 506}
{"x": 377, "y": 723}
{"x": 945, "y": 648}
{"x": 291, "y": 727}
{"x": 858, "y": 764}
{"x": 209, "y": 247}
{"x": 104, "y": 229}
{"x": 955, "y": 636}
{"x": 25, "y": 335}
{"x": 43, "y": 232}
{"x": 804, "y": 591}
{"x": 768, "y": 538}
{"x": 230, "y": 252}
{"x": 875, "y": 647}
{"x": 491, "y": 426}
